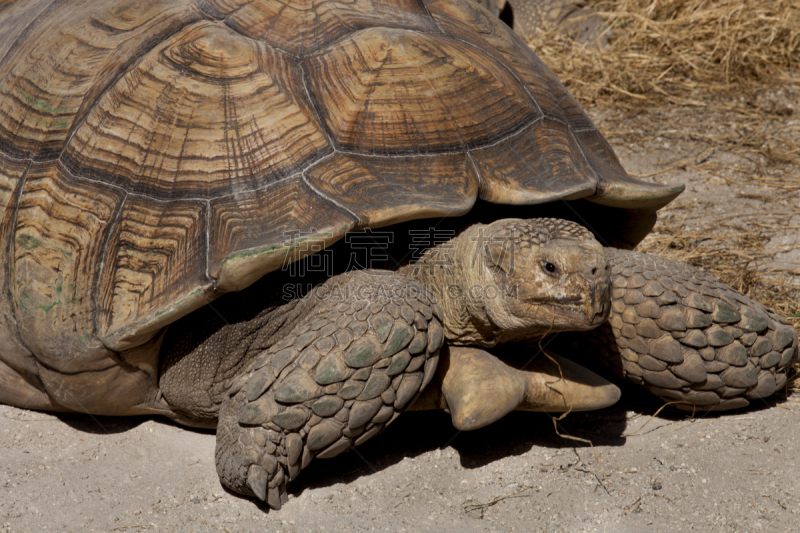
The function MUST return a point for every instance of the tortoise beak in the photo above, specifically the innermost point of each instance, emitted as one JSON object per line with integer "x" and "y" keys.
{"x": 597, "y": 304}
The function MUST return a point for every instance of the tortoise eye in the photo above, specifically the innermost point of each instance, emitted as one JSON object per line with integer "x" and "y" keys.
{"x": 550, "y": 268}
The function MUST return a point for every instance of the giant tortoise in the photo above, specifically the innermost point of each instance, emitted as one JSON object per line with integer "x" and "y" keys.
{"x": 155, "y": 156}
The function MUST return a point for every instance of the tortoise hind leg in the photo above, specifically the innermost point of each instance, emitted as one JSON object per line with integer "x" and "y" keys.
{"x": 570, "y": 18}
{"x": 688, "y": 337}
{"x": 18, "y": 391}
{"x": 337, "y": 380}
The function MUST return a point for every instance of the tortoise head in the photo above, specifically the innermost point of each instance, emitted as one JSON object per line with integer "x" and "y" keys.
{"x": 518, "y": 280}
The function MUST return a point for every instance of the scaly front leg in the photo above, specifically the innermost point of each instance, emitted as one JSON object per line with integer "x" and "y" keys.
{"x": 688, "y": 337}
{"x": 347, "y": 371}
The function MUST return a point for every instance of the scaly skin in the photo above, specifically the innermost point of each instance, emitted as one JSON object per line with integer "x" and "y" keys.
{"x": 690, "y": 338}
{"x": 360, "y": 358}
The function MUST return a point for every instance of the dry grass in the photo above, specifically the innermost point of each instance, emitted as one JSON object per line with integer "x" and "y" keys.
{"x": 678, "y": 51}
{"x": 735, "y": 60}
{"x": 732, "y": 70}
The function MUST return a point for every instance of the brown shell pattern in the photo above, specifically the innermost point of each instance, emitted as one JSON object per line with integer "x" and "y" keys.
{"x": 154, "y": 155}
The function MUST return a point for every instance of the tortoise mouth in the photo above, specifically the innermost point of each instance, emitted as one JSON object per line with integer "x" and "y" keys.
{"x": 574, "y": 313}
{"x": 564, "y": 300}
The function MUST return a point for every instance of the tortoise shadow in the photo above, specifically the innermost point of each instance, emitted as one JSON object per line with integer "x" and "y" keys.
{"x": 100, "y": 425}
{"x": 416, "y": 433}
{"x": 111, "y": 425}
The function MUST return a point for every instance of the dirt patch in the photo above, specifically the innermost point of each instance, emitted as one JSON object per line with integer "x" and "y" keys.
{"x": 736, "y": 150}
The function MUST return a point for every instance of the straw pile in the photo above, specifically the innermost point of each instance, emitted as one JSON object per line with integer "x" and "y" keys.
{"x": 721, "y": 74}
{"x": 678, "y": 51}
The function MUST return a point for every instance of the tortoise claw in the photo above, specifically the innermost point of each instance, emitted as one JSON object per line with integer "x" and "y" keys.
{"x": 274, "y": 499}
{"x": 257, "y": 479}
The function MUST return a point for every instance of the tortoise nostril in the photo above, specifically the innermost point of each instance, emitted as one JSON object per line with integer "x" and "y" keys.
{"x": 594, "y": 271}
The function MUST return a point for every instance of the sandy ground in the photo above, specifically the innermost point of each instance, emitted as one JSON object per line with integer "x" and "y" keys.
{"x": 728, "y": 473}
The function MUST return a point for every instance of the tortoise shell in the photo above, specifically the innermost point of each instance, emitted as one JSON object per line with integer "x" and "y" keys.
{"x": 154, "y": 155}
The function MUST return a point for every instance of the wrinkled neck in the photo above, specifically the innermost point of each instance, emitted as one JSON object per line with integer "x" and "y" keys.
{"x": 454, "y": 272}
